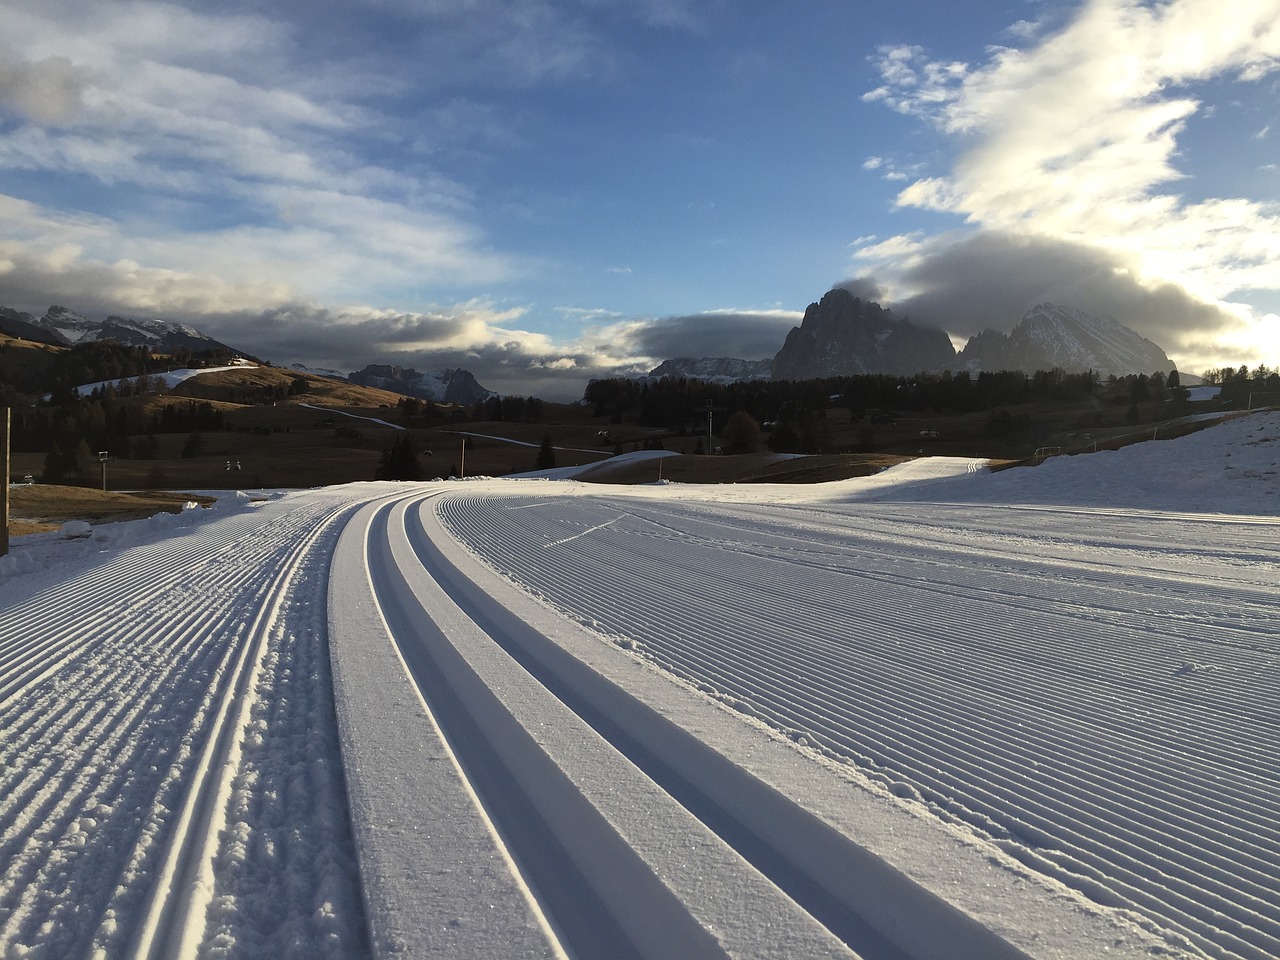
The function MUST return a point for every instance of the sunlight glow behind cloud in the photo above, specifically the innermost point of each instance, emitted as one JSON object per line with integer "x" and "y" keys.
{"x": 1077, "y": 138}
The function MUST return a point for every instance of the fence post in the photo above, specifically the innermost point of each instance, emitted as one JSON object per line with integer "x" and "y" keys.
{"x": 4, "y": 492}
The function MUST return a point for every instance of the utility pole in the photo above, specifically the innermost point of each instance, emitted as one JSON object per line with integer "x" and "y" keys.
{"x": 4, "y": 491}
{"x": 462, "y": 470}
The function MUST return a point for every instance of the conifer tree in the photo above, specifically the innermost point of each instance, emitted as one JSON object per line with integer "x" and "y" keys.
{"x": 546, "y": 454}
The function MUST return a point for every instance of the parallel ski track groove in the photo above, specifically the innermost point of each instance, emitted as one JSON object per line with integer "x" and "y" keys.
{"x": 148, "y": 638}
{"x": 175, "y": 915}
{"x": 32, "y": 632}
{"x": 1215, "y": 875}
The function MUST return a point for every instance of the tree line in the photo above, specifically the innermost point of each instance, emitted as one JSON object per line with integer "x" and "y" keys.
{"x": 679, "y": 402}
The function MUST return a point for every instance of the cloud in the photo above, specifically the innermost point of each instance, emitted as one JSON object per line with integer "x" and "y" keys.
{"x": 747, "y": 335}
{"x": 475, "y": 335}
{"x": 218, "y": 153}
{"x": 968, "y": 282}
{"x": 48, "y": 91}
{"x": 1074, "y": 141}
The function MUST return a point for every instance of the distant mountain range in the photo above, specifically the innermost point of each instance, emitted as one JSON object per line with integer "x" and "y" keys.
{"x": 442, "y": 386}
{"x": 714, "y": 369}
{"x": 839, "y": 336}
{"x": 842, "y": 336}
{"x": 64, "y": 328}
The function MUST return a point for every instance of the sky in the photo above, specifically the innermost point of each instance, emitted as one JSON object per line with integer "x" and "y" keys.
{"x": 546, "y": 191}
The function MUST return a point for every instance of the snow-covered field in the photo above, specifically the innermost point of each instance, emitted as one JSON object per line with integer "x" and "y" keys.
{"x": 936, "y": 713}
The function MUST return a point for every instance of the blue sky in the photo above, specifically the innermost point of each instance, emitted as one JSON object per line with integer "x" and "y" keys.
{"x": 544, "y": 191}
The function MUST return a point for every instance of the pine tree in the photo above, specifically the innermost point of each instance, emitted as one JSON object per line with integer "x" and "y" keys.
{"x": 546, "y": 454}
{"x": 399, "y": 462}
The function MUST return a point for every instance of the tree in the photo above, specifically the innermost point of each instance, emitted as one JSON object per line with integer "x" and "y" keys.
{"x": 741, "y": 433}
{"x": 784, "y": 438}
{"x": 546, "y": 454}
{"x": 55, "y": 466}
{"x": 399, "y": 462}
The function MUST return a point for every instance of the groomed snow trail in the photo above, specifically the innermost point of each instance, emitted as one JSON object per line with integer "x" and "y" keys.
{"x": 171, "y": 783}
{"x": 598, "y": 809}
{"x": 1096, "y": 693}
{"x": 533, "y": 719}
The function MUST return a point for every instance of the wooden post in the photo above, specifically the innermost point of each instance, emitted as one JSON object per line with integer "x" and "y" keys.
{"x": 462, "y": 470}
{"x": 4, "y": 492}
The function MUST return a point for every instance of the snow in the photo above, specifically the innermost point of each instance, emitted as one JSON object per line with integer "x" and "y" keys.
{"x": 171, "y": 378}
{"x": 354, "y": 416}
{"x": 937, "y": 712}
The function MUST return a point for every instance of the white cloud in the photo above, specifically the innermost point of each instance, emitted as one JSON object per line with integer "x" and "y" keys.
{"x": 1077, "y": 138}
{"x": 239, "y": 179}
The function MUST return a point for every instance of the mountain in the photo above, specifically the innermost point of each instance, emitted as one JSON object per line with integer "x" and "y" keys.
{"x": 842, "y": 336}
{"x": 318, "y": 371}
{"x": 23, "y": 326}
{"x": 442, "y": 386}
{"x": 1071, "y": 340}
{"x": 714, "y": 369}
{"x": 64, "y": 327}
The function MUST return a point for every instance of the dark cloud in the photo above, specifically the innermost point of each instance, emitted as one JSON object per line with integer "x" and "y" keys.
{"x": 864, "y": 288}
{"x": 992, "y": 279}
{"x": 746, "y": 336}
{"x": 322, "y": 339}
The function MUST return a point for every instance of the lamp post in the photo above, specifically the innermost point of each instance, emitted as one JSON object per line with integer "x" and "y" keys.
{"x": 102, "y": 459}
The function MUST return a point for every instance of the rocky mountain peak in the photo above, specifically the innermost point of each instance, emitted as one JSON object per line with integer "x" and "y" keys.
{"x": 842, "y": 335}
{"x": 714, "y": 369}
{"x": 443, "y": 386}
{"x": 1052, "y": 336}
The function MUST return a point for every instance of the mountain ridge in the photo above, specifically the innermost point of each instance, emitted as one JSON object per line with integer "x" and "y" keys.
{"x": 63, "y": 327}
{"x": 442, "y": 386}
{"x": 714, "y": 369}
{"x": 842, "y": 335}
{"x": 1052, "y": 336}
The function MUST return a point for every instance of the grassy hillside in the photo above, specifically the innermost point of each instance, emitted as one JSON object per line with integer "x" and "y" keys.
{"x": 24, "y": 359}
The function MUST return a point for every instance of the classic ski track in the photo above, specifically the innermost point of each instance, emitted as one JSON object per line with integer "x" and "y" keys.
{"x": 1194, "y": 852}
{"x": 33, "y": 633}
{"x": 150, "y": 673}
{"x": 605, "y": 857}
{"x": 174, "y": 919}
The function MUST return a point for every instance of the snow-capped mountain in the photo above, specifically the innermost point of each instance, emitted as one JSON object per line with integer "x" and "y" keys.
{"x": 442, "y": 386}
{"x": 65, "y": 327}
{"x": 714, "y": 369}
{"x": 14, "y": 323}
{"x": 1066, "y": 338}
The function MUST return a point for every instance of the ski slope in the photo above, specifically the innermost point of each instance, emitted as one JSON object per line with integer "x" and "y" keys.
{"x": 934, "y": 713}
